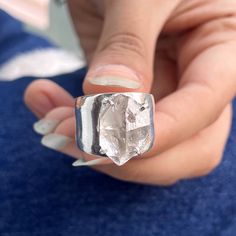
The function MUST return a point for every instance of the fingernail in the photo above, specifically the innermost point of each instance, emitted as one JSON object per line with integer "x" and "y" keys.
{"x": 55, "y": 141}
{"x": 115, "y": 76}
{"x": 45, "y": 126}
{"x": 82, "y": 162}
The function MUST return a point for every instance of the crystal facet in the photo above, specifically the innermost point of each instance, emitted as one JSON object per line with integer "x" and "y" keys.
{"x": 122, "y": 125}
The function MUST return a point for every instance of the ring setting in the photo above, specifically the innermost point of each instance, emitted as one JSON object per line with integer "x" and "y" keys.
{"x": 118, "y": 126}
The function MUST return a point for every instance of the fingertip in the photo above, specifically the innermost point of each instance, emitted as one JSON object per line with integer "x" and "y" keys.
{"x": 36, "y": 99}
{"x": 43, "y": 95}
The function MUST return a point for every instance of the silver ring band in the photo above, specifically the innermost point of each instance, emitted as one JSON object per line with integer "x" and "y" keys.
{"x": 119, "y": 126}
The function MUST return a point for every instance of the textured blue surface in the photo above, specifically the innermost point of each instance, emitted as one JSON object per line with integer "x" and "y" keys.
{"x": 14, "y": 40}
{"x": 41, "y": 194}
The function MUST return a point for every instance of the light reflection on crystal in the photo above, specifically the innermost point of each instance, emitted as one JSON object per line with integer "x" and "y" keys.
{"x": 124, "y": 128}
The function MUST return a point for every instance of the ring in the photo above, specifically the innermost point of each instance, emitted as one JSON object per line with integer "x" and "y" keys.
{"x": 118, "y": 126}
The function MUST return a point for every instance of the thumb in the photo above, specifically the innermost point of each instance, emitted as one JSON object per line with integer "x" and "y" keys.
{"x": 124, "y": 57}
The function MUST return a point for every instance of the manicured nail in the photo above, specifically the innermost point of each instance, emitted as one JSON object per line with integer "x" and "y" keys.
{"x": 45, "y": 126}
{"x": 115, "y": 76}
{"x": 78, "y": 162}
{"x": 55, "y": 141}
{"x": 82, "y": 162}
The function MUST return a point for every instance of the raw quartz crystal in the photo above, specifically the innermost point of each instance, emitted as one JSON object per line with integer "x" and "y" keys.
{"x": 125, "y": 127}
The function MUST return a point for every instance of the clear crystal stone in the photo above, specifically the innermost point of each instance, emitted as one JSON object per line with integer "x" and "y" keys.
{"x": 125, "y": 127}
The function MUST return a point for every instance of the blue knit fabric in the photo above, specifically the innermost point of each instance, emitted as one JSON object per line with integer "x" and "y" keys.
{"x": 14, "y": 40}
{"x": 41, "y": 194}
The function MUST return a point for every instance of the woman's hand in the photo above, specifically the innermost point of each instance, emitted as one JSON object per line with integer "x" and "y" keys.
{"x": 183, "y": 52}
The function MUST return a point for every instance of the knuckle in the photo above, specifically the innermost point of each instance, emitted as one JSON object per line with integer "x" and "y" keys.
{"x": 224, "y": 24}
{"x": 219, "y": 30}
{"x": 221, "y": 23}
{"x": 126, "y": 42}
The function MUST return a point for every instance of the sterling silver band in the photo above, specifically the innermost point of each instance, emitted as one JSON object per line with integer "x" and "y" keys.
{"x": 119, "y": 126}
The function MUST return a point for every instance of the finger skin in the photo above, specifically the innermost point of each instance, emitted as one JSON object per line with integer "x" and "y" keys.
{"x": 202, "y": 27}
{"x": 199, "y": 100}
{"x": 67, "y": 127}
{"x": 206, "y": 59}
{"x": 168, "y": 165}
{"x": 195, "y": 157}
{"x": 60, "y": 113}
{"x": 128, "y": 40}
{"x": 43, "y": 95}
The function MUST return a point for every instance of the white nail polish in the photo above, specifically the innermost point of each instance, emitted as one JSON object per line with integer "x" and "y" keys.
{"x": 82, "y": 162}
{"x": 55, "y": 141}
{"x": 45, "y": 126}
{"x": 115, "y": 75}
{"x": 79, "y": 162}
{"x": 115, "y": 81}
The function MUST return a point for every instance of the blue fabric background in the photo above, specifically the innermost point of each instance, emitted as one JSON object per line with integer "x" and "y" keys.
{"x": 14, "y": 40}
{"x": 41, "y": 194}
